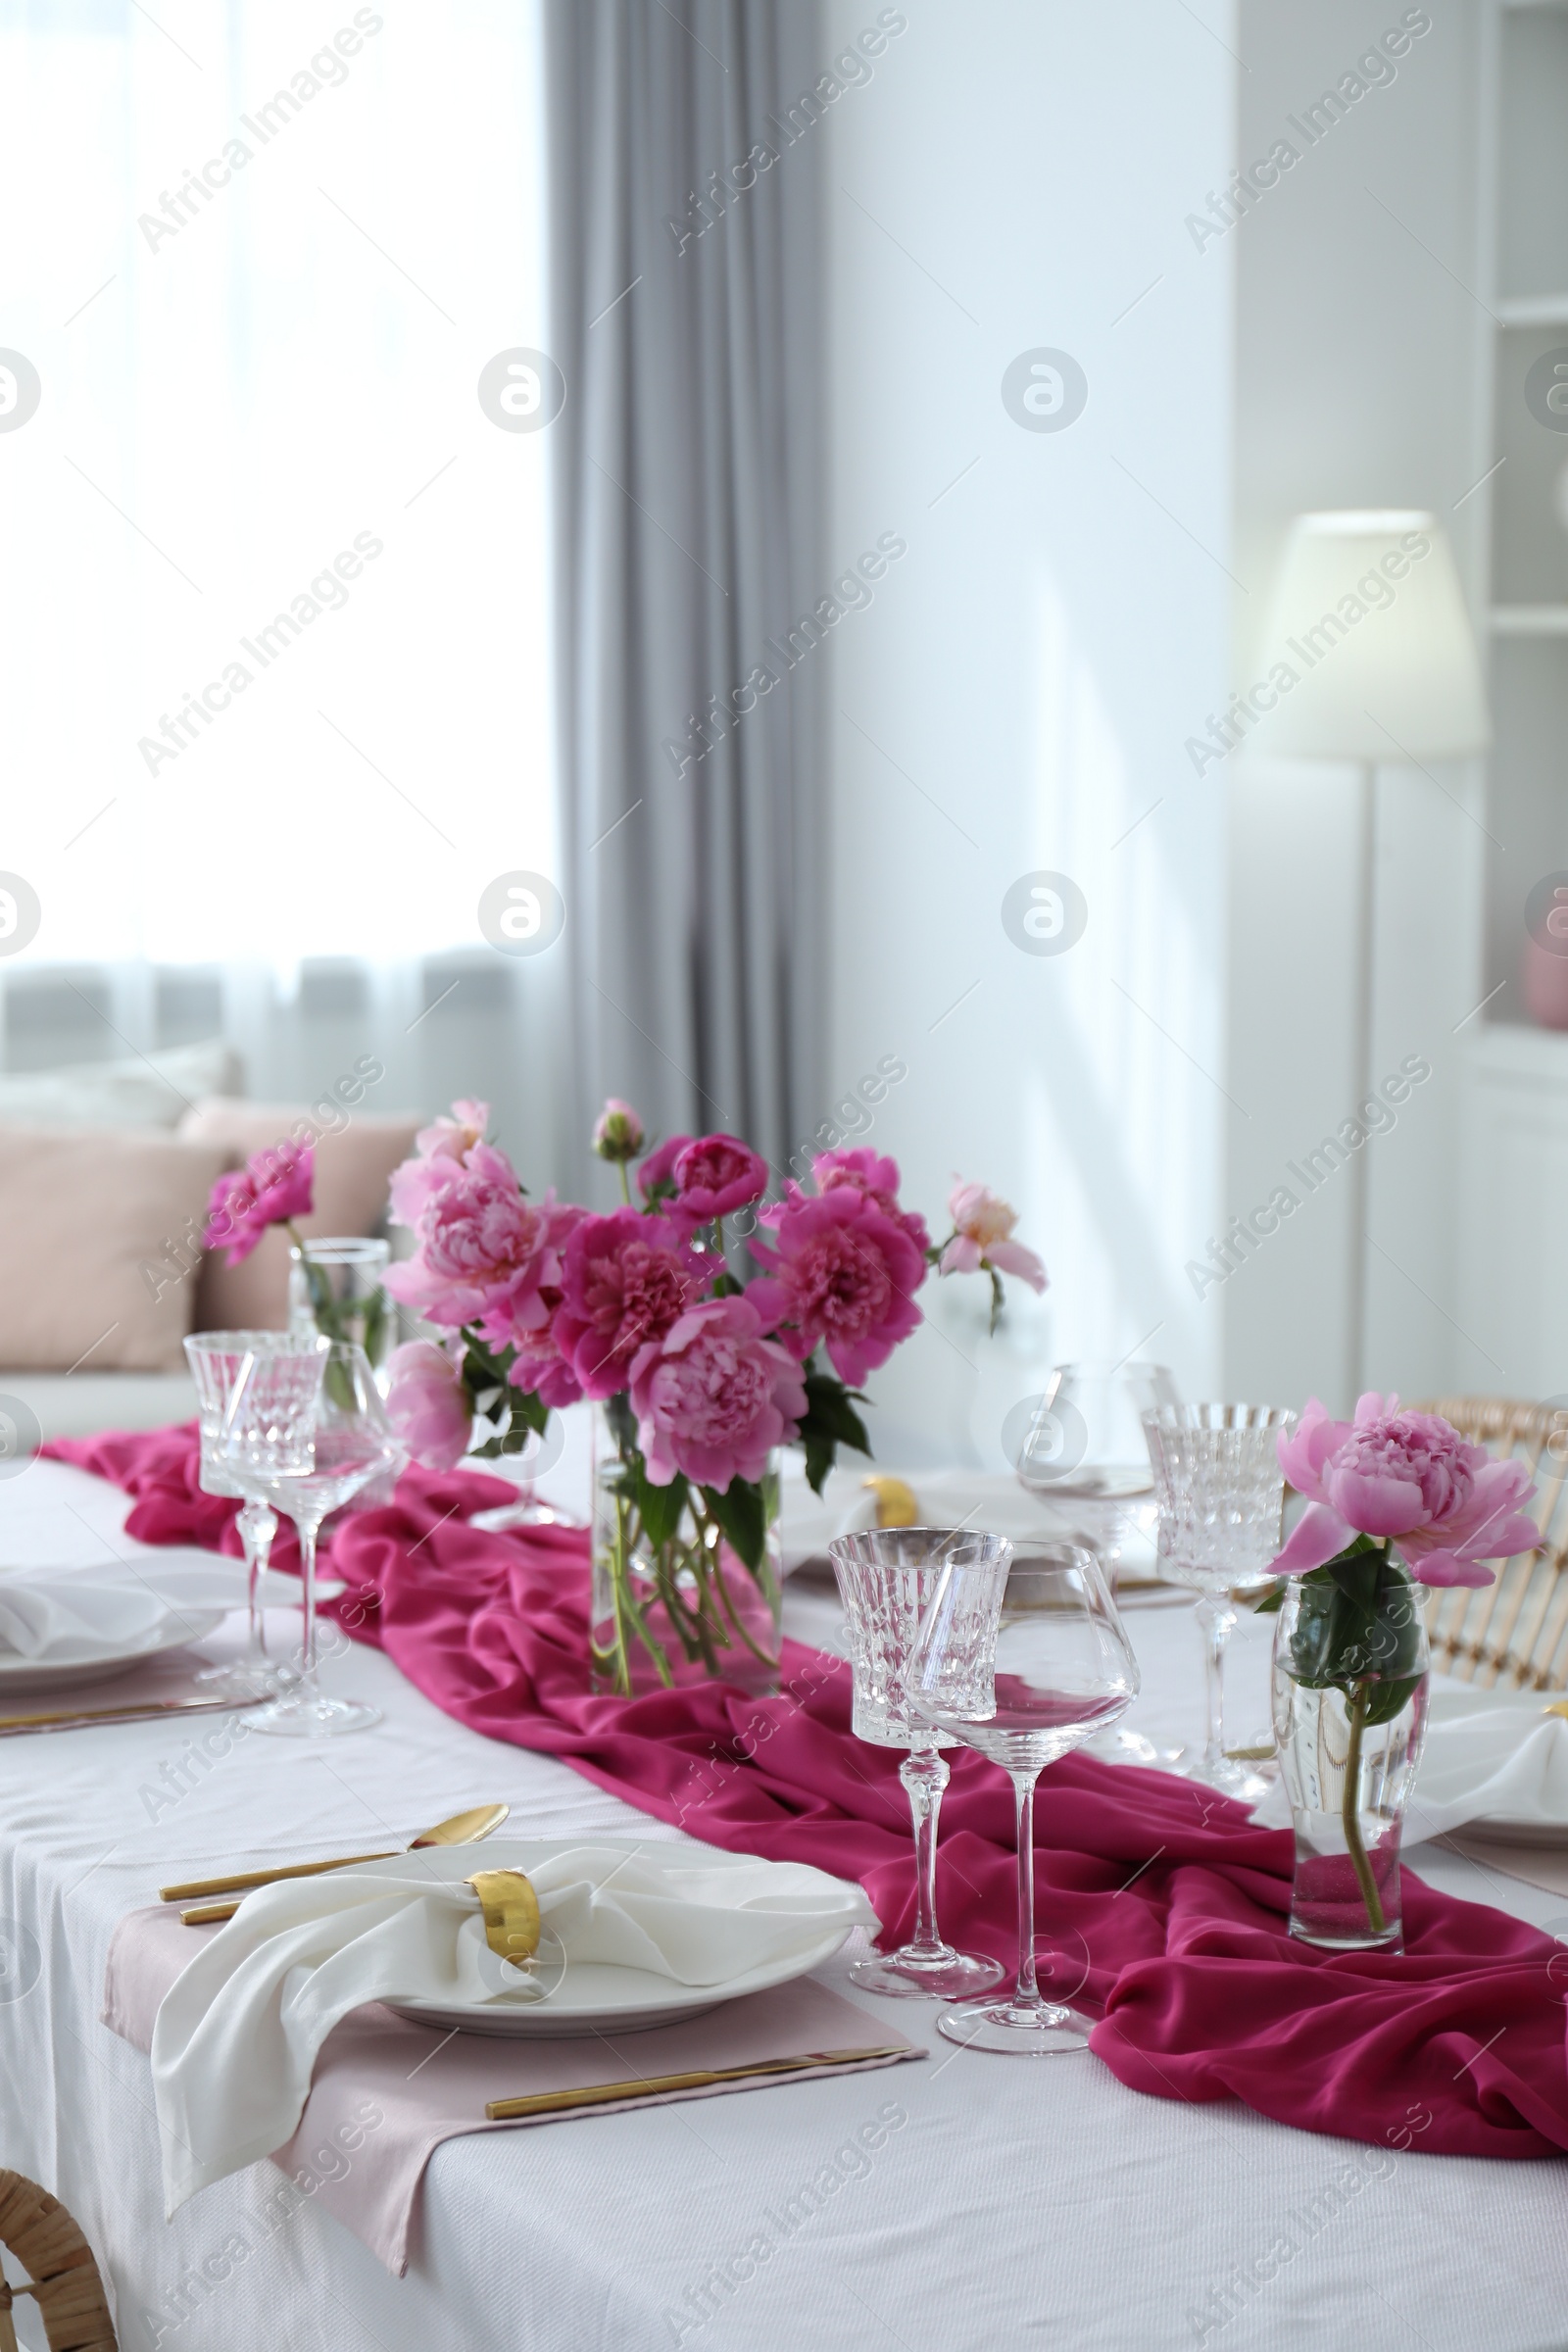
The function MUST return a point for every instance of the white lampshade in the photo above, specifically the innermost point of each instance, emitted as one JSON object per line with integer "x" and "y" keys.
{"x": 1370, "y": 616}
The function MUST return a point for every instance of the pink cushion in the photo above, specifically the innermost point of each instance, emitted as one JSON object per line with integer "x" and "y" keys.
{"x": 100, "y": 1246}
{"x": 353, "y": 1167}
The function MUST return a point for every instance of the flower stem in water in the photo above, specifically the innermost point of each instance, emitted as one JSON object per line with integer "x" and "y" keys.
{"x": 1350, "y": 1814}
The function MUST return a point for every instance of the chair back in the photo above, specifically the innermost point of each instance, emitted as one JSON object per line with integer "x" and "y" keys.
{"x": 1514, "y": 1632}
{"x": 37, "y": 2229}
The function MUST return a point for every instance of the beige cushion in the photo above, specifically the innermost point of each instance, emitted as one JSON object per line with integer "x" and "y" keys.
{"x": 354, "y": 1165}
{"x": 154, "y": 1090}
{"x": 99, "y": 1246}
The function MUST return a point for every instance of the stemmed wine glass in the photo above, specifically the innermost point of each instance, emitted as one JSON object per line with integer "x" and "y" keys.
{"x": 1080, "y": 1446}
{"x": 215, "y": 1359}
{"x": 306, "y": 1429}
{"x": 886, "y": 1576}
{"x": 1221, "y": 1507}
{"x": 1021, "y": 1660}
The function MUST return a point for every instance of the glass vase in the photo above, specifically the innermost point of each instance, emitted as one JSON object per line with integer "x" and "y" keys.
{"x": 1349, "y": 1692}
{"x": 334, "y": 1288}
{"x": 674, "y": 1603}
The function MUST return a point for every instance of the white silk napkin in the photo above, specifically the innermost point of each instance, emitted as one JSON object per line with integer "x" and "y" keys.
{"x": 1487, "y": 1754}
{"x": 74, "y": 1616}
{"x": 236, "y": 2037}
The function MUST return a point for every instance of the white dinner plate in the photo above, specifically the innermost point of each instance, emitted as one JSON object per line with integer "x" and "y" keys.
{"x": 592, "y": 1998}
{"x": 1502, "y": 1831}
{"x": 21, "y": 1678}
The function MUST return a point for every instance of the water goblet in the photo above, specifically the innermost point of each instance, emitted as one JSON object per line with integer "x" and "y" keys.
{"x": 215, "y": 1359}
{"x": 1021, "y": 1660}
{"x": 306, "y": 1429}
{"x": 886, "y": 1576}
{"x": 1221, "y": 1504}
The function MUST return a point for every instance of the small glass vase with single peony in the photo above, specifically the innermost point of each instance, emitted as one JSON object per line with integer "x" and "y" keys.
{"x": 1395, "y": 1501}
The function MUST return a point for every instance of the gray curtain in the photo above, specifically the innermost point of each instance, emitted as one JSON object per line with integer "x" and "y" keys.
{"x": 687, "y": 318}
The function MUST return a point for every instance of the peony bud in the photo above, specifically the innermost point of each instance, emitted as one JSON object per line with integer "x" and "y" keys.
{"x": 618, "y": 1136}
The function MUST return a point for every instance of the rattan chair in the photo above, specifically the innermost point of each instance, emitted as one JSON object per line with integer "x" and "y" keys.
{"x": 1514, "y": 1632}
{"x": 37, "y": 2229}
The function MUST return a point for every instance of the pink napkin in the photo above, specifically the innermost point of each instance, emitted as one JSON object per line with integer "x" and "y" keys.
{"x": 1167, "y": 1907}
{"x": 386, "y": 2092}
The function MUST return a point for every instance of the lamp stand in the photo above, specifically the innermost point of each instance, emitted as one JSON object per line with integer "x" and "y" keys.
{"x": 1365, "y": 978}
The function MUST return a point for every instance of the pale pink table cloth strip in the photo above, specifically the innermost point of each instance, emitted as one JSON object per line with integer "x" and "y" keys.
{"x": 387, "y": 2093}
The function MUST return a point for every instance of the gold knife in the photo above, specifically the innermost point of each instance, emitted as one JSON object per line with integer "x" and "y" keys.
{"x": 149, "y": 1711}
{"x": 599, "y": 2094}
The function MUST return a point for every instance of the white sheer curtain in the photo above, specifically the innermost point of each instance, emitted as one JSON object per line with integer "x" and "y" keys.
{"x": 267, "y": 253}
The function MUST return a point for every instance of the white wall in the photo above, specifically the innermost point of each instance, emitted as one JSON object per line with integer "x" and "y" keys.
{"x": 1018, "y": 695}
{"x": 1356, "y": 386}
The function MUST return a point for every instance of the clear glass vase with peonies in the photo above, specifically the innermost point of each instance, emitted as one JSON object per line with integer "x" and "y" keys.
{"x": 1395, "y": 1500}
{"x": 698, "y": 1379}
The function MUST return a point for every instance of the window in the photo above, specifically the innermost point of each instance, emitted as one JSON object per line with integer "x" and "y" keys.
{"x": 272, "y": 612}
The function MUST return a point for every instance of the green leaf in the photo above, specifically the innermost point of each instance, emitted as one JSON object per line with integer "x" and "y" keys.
{"x": 740, "y": 1513}
{"x": 830, "y": 1421}
{"x": 1358, "y": 1620}
{"x": 528, "y": 1412}
{"x": 1385, "y": 1701}
{"x": 374, "y": 1322}
{"x": 623, "y": 1422}
{"x": 659, "y": 1508}
{"x": 1272, "y": 1602}
{"x": 482, "y": 1368}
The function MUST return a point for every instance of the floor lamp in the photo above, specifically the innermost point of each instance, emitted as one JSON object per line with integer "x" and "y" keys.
{"x": 1369, "y": 617}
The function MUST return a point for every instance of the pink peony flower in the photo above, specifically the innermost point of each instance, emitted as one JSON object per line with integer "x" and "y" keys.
{"x": 539, "y": 1367}
{"x": 618, "y": 1133}
{"x": 715, "y": 1174}
{"x": 274, "y": 1183}
{"x": 1407, "y": 1476}
{"x": 985, "y": 1224}
{"x": 454, "y": 1138}
{"x": 658, "y": 1170}
{"x": 840, "y": 1271}
{"x": 626, "y": 1279}
{"x": 520, "y": 1317}
{"x": 429, "y": 1405}
{"x": 713, "y": 1398}
{"x": 875, "y": 1175}
{"x": 485, "y": 1254}
{"x": 440, "y": 1151}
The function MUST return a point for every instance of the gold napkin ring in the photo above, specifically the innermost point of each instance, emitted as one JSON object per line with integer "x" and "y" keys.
{"x": 511, "y": 1913}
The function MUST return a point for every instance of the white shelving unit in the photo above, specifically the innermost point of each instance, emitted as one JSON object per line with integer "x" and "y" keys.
{"x": 1512, "y": 1310}
{"x": 1521, "y": 500}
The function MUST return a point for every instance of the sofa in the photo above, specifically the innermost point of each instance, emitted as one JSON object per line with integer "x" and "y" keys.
{"x": 105, "y": 1170}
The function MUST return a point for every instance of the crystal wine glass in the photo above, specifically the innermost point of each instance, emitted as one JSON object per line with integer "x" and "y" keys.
{"x": 1080, "y": 1447}
{"x": 886, "y": 1576}
{"x": 1021, "y": 1660}
{"x": 305, "y": 1429}
{"x": 215, "y": 1359}
{"x": 1221, "y": 1504}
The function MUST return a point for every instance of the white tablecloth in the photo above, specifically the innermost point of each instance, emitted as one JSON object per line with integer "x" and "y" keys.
{"x": 1021, "y": 2203}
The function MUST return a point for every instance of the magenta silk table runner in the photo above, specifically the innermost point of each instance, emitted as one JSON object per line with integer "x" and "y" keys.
{"x": 1164, "y": 1909}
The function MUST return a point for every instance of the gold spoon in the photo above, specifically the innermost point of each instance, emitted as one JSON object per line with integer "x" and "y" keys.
{"x": 463, "y": 1828}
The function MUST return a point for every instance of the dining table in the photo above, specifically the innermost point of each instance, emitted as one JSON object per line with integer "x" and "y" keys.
{"x": 965, "y": 2202}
